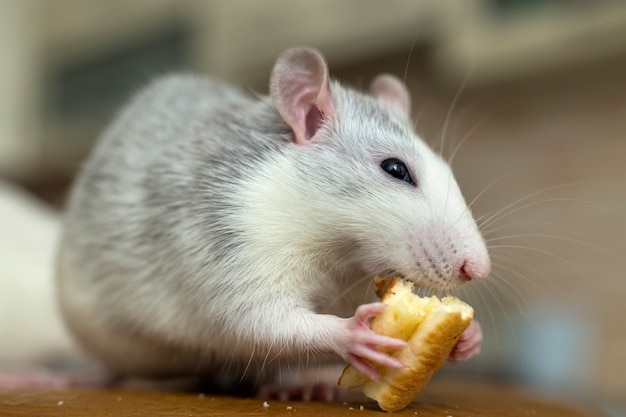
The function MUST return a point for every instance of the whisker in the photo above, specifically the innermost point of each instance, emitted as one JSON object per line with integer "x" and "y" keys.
{"x": 445, "y": 206}
{"x": 369, "y": 289}
{"x": 277, "y": 355}
{"x": 483, "y": 191}
{"x": 269, "y": 350}
{"x": 453, "y": 104}
{"x": 512, "y": 291}
{"x": 555, "y": 237}
{"x": 349, "y": 288}
{"x": 494, "y": 229}
{"x": 536, "y": 272}
{"x": 502, "y": 214}
{"x": 492, "y": 317}
{"x": 498, "y": 214}
{"x": 419, "y": 114}
{"x": 469, "y": 133}
{"x": 245, "y": 371}
{"x": 544, "y": 252}
{"x": 408, "y": 59}
{"x": 505, "y": 314}
{"x": 523, "y": 310}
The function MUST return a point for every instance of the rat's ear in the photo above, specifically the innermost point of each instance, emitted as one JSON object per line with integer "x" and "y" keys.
{"x": 391, "y": 90}
{"x": 300, "y": 92}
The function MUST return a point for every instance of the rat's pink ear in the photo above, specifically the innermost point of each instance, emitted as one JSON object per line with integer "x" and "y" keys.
{"x": 391, "y": 90}
{"x": 300, "y": 92}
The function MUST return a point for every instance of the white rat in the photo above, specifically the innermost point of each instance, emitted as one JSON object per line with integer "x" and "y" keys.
{"x": 215, "y": 234}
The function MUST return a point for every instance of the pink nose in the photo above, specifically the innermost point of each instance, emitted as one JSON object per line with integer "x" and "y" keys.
{"x": 473, "y": 270}
{"x": 463, "y": 273}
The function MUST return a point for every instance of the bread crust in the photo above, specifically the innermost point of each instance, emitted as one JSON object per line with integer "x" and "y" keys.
{"x": 431, "y": 327}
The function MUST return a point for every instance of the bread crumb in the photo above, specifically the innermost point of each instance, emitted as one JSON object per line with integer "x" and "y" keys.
{"x": 60, "y": 403}
{"x": 361, "y": 408}
{"x": 289, "y": 407}
{"x": 266, "y": 404}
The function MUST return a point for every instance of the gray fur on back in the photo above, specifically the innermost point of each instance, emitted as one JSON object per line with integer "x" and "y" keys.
{"x": 159, "y": 186}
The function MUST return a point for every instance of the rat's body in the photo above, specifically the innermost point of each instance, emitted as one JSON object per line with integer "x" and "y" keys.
{"x": 214, "y": 232}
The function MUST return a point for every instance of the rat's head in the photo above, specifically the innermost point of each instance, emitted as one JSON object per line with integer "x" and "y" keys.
{"x": 374, "y": 186}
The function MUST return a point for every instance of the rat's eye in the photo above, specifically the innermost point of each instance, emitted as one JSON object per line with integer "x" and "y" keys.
{"x": 397, "y": 169}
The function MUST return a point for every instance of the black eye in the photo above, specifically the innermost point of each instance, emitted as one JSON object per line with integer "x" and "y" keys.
{"x": 397, "y": 169}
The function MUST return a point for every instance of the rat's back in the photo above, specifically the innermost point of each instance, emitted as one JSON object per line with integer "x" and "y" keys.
{"x": 144, "y": 168}
{"x": 133, "y": 237}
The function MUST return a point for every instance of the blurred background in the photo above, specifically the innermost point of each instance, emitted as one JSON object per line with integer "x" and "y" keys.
{"x": 527, "y": 96}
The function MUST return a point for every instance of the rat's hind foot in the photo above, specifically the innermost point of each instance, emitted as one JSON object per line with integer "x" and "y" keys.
{"x": 318, "y": 392}
{"x": 315, "y": 383}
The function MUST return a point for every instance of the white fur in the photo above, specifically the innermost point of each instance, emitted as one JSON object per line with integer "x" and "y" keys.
{"x": 31, "y": 328}
{"x": 200, "y": 239}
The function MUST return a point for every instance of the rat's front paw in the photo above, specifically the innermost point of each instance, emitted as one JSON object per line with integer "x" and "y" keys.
{"x": 362, "y": 346}
{"x": 468, "y": 344}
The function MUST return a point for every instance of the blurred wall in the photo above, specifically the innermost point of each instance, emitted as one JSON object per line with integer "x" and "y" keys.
{"x": 529, "y": 97}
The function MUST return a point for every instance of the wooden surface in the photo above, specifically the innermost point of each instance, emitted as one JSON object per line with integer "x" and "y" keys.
{"x": 440, "y": 399}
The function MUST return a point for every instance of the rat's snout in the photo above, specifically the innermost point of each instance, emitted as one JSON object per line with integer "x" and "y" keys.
{"x": 445, "y": 257}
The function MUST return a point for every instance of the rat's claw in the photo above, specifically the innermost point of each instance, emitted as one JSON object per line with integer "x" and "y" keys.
{"x": 376, "y": 356}
{"x": 366, "y": 311}
{"x": 364, "y": 344}
{"x": 375, "y": 339}
{"x": 359, "y": 328}
{"x": 364, "y": 367}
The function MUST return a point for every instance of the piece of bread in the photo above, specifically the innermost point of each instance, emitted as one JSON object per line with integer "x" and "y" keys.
{"x": 432, "y": 328}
